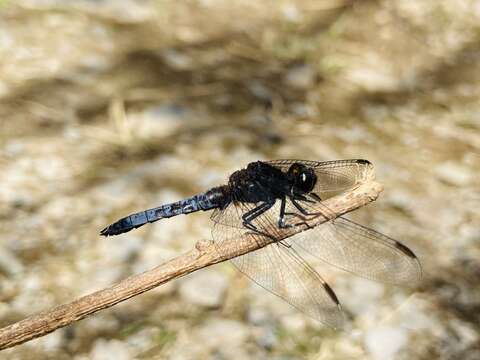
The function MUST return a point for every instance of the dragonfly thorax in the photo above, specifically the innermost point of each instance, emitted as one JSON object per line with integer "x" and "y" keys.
{"x": 259, "y": 182}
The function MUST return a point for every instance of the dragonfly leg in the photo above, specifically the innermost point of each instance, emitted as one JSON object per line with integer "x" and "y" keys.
{"x": 315, "y": 196}
{"x": 283, "y": 214}
{"x": 251, "y": 215}
{"x": 281, "y": 218}
{"x": 303, "y": 221}
{"x": 302, "y": 209}
{"x": 302, "y": 198}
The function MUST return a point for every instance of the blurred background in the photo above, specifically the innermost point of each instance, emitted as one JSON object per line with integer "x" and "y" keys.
{"x": 109, "y": 107}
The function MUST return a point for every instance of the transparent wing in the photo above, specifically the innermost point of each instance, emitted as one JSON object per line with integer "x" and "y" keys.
{"x": 278, "y": 267}
{"x": 333, "y": 177}
{"x": 360, "y": 250}
{"x": 228, "y": 222}
{"x": 280, "y": 270}
{"x": 275, "y": 267}
{"x": 228, "y": 227}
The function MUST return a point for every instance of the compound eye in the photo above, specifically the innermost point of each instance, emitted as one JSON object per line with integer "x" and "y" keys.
{"x": 294, "y": 170}
{"x": 302, "y": 178}
{"x": 306, "y": 180}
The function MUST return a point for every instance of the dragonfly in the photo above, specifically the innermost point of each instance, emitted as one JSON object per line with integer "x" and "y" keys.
{"x": 275, "y": 199}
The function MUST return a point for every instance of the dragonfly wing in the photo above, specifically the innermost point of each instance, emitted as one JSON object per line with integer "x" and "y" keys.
{"x": 229, "y": 225}
{"x": 275, "y": 266}
{"x": 361, "y": 251}
{"x": 333, "y": 177}
{"x": 283, "y": 272}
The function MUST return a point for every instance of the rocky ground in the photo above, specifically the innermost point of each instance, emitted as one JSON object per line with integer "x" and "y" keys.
{"x": 108, "y": 107}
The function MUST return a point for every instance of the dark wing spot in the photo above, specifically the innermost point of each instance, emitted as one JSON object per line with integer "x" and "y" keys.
{"x": 331, "y": 293}
{"x": 364, "y": 162}
{"x": 405, "y": 250}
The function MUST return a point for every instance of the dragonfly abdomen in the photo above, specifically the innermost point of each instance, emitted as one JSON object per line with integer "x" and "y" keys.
{"x": 209, "y": 200}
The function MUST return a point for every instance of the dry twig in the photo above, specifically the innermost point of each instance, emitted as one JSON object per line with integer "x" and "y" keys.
{"x": 204, "y": 254}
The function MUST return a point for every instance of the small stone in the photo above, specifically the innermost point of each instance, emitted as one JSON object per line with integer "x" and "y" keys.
{"x": 110, "y": 350}
{"x": 5, "y": 309}
{"x": 301, "y": 77}
{"x": 177, "y": 60}
{"x": 223, "y": 333}
{"x": 260, "y": 91}
{"x": 467, "y": 335}
{"x": 377, "y": 77}
{"x": 166, "y": 112}
{"x": 291, "y": 13}
{"x": 14, "y": 147}
{"x": 266, "y": 337}
{"x": 94, "y": 63}
{"x": 206, "y": 288}
{"x": 302, "y": 110}
{"x": 385, "y": 342}
{"x": 123, "y": 251}
{"x": 9, "y": 264}
{"x": 258, "y": 316}
{"x": 216, "y": 339}
{"x": 104, "y": 277}
{"x": 101, "y": 323}
{"x": 143, "y": 340}
{"x": 158, "y": 120}
{"x": 151, "y": 256}
{"x": 453, "y": 174}
{"x": 400, "y": 199}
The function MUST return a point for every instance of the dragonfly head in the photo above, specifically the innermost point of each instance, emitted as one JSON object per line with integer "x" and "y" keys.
{"x": 302, "y": 178}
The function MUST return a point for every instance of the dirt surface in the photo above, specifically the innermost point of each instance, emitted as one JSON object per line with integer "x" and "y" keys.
{"x": 110, "y": 107}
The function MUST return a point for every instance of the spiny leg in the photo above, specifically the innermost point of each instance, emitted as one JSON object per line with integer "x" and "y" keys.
{"x": 319, "y": 201}
{"x": 301, "y": 197}
{"x": 251, "y": 212}
{"x": 315, "y": 196}
{"x": 281, "y": 218}
{"x": 302, "y": 209}
{"x": 303, "y": 221}
{"x": 299, "y": 207}
{"x": 312, "y": 195}
{"x": 251, "y": 215}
